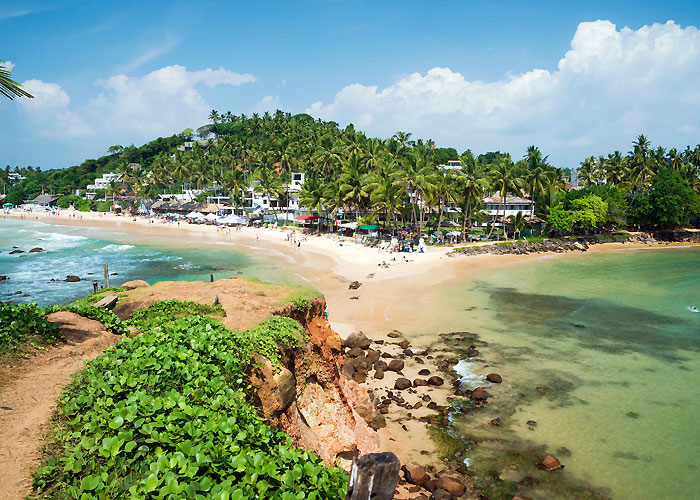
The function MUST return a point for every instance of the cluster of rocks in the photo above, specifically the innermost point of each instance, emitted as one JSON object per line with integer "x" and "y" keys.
{"x": 440, "y": 487}
{"x": 33, "y": 250}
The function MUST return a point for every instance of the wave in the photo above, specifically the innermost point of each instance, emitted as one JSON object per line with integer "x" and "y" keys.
{"x": 116, "y": 248}
{"x": 467, "y": 375}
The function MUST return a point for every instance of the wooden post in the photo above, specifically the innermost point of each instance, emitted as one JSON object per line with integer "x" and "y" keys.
{"x": 95, "y": 285}
{"x": 374, "y": 476}
{"x": 106, "y": 268}
{"x": 211, "y": 278}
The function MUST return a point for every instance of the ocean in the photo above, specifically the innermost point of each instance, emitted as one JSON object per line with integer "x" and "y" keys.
{"x": 69, "y": 250}
{"x": 600, "y": 355}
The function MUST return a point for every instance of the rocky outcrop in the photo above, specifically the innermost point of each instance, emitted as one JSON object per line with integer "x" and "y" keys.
{"x": 329, "y": 414}
{"x": 71, "y": 278}
{"x": 548, "y": 462}
{"x": 559, "y": 245}
{"x": 36, "y": 250}
{"x": 130, "y": 285}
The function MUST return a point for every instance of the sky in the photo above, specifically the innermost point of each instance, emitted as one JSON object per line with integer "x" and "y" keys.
{"x": 575, "y": 78}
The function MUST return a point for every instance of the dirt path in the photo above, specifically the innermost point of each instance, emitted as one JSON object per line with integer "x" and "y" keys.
{"x": 29, "y": 398}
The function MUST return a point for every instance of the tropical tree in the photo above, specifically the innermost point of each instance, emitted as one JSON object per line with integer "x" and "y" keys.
{"x": 505, "y": 180}
{"x": 8, "y": 87}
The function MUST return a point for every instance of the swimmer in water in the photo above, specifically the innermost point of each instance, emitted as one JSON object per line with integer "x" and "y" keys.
{"x": 693, "y": 309}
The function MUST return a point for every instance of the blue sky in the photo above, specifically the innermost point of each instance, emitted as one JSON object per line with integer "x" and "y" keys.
{"x": 574, "y": 78}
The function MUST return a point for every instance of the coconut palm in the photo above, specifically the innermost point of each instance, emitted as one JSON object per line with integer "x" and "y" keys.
{"x": 505, "y": 180}
{"x": 469, "y": 184}
{"x": 8, "y": 87}
{"x": 518, "y": 222}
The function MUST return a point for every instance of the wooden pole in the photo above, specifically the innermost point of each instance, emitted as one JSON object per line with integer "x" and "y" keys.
{"x": 95, "y": 284}
{"x": 211, "y": 278}
{"x": 374, "y": 476}
{"x": 106, "y": 268}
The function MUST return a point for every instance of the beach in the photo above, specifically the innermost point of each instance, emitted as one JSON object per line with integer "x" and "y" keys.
{"x": 411, "y": 296}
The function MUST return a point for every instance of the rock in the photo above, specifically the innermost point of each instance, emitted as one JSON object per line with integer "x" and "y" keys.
{"x": 381, "y": 365}
{"x": 355, "y": 352}
{"x": 417, "y": 405}
{"x": 420, "y": 382}
{"x": 518, "y": 497}
{"x": 424, "y": 372}
{"x": 72, "y": 278}
{"x": 348, "y": 370}
{"x": 373, "y": 355}
{"x": 453, "y": 486}
{"x": 275, "y": 391}
{"x": 548, "y": 462}
{"x": 402, "y": 383}
{"x": 414, "y": 473}
{"x": 408, "y": 352}
{"x": 386, "y": 355}
{"x": 396, "y": 365}
{"x": 440, "y": 494}
{"x": 632, "y": 414}
{"x": 16, "y": 251}
{"x": 435, "y": 380}
{"x": 360, "y": 364}
{"x": 404, "y": 344}
{"x": 374, "y": 476}
{"x": 564, "y": 451}
{"x": 494, "y": 378}
{"x": 379, "y": 374}
{"x": 393, "y": 335}
{"x": 354, "y": 285}
{"x": 355, "y": 297}
{"x": 3, "y": 278}
{"x": 479, "y": 394}
{"x": 130, "y": 285}
{"x": 532, "y": 423}
{"x": 359, "y": 377}
{"x": 107, "y": 302}
{"x": 433, "y": 405}
{"x": 36, "y": 250}
{"x": 357, "y": 339}
{"x": 496, "y": 421}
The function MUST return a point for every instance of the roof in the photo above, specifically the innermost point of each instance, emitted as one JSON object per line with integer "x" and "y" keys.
{"x": 509, "y": 199}
{"x": 44, "y": 199}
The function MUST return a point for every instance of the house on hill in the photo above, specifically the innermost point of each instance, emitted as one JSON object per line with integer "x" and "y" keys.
{"x": 44, "y": 200}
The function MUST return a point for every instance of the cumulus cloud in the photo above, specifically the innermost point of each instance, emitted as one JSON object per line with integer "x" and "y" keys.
{"x": 8, "y": 65}
{"x": 612, "y": 85}
{"x": 130, "y": 108}
{"x": 267, "y": 103}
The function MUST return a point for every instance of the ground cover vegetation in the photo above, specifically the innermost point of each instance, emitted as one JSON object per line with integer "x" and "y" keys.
{"x": 395, "y": 181}
{"x": 25, "y": 322}
{"x": 167, "y": 414}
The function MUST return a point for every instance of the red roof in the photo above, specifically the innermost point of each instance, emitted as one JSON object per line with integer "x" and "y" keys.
{"x": 307, "y": 217}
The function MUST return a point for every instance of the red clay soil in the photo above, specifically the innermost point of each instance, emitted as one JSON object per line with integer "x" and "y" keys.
{"x": 28, "y": 398}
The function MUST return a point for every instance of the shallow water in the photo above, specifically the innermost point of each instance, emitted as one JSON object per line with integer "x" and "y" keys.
{"x": 603, "y": 354}
{"x": 80, "y": 251}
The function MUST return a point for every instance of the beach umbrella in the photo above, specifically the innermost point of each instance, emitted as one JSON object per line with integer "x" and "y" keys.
{"x": 211, "y": 216}
{"x": 307, "y": 217}
{"x": 7, "y": 205}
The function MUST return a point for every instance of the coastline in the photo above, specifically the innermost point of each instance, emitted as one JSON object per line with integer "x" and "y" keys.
{"x": 396, "y": 298}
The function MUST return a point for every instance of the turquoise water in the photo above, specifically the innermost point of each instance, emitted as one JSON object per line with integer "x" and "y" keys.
{"x": 82, "y": 251}
{"x": 603, "y": 353}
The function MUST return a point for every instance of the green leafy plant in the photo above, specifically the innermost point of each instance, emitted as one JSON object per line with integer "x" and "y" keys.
{"x": 165, "y": 415}
{"x": 301, "y": 304}
{"x": 109, "y": 320}
{"x": 19, "y": 321}
{"x": 167, "y": 310}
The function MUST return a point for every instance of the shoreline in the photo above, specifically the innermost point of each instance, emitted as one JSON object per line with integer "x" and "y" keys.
{"x": 389, "y": 300}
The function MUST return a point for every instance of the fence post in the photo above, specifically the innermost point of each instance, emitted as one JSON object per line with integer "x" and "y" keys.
{"x": 106, "y": 268}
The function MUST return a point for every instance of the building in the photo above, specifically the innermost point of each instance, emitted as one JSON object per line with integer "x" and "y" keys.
{"x": 452, "y": 165}
{"x": 44, "y": 200}
{"x": 14, "y": 177}
{"x": 493, "y": 205}
{"x": 103, "y": 182}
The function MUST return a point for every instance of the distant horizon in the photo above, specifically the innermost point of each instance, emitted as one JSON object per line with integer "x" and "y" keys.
{"x": 575, "y": 80}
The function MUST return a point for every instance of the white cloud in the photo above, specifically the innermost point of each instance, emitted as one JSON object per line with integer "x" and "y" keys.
{"x": 150, "y": 54}
{"x": 611, "y": 86}
{"x": 129, "y": 109}
{"x": 267, "y": 103}
{"x": 8, "y": 65}
{"x": 50, "y": 110}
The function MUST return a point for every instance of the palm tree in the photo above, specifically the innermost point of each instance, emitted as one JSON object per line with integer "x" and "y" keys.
{"x": 536, "y": 181}
{"x": 311, "y": 195}
{"x": 353, "y": 183}
{"x": 518, "y": 222}
{"x": 504, "y": 180}
{"x": 8, "y": 87}
{"x": 269, "y": 184}
{"x": 469, "y": 185}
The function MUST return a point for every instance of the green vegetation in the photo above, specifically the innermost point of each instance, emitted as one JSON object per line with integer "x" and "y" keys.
{"x": 89, "y": 300}
{"x": 584, "y": 213}
{"x": 108, "y": 319}
{"x": 301, "y": 304}
{"x": 670, "y": 201}
{"x": 20, "y": 322}
{"x": 167, "y": 310}
{"x": 166, "y": 415}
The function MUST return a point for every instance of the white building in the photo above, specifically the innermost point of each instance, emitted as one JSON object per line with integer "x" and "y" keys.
{"x": 452, "y": 165}
{"x": 493, "y": 205}
{"x": 14, "y": 176}
{"x": 103, "y": 183}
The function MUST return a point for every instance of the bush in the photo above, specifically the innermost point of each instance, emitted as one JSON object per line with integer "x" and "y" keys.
{"x": 168, "y": 310}
{"x": 165, "y": 415}
{"x": 19, "y": 321}
{"x": 109, "y": 320}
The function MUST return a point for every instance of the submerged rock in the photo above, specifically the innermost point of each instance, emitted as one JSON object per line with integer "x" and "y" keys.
{"x": 36, "y": 250}
{"x": 494, "y": 378}
{"x": 549, "y": 462}
{"x": 479, "y": 394}
{"x": 71, "y": 278}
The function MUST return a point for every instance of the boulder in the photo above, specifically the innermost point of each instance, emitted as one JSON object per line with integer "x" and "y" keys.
{"x": 357, "y": 339}
{"x": 379, "y": 374}
{"x": 16, "y": 251}
{"x": 479, "y": 394}
{"x": 355, "y": 352}
{"x": 359, "y": 377}
{"x": 414, "y": 473}
{"x": 71, "y": 278}
{"x": 440, "y": 494}
{"x": 402, "y": 383}
{"x": 548, "y": 462}
{"x": 393, "y": 335}
{"x": 373, "y": 355}
{"x": 348, "y": 370}
{"x": 107, "y": 302}
{"x": 354, "y": 285}
{"x": 435, "y": 380}
{"x": 419, "y": 382}
{"x": 404, "y": 344}
{"x": 494, "y": 378}
{"x": 375, "y": 476}
{"x": 36, "y": 250}
{"x": 275, "y": 391}
{"x": 396, "y": 365}
{"x": 424, "y": 372}
{"x": 381, "y": 365}
{"x": 3, "y": 278}
{"x": 130, "y": 285}
{"x": 453, "y": 486}
{"x": 361, "y": 364}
